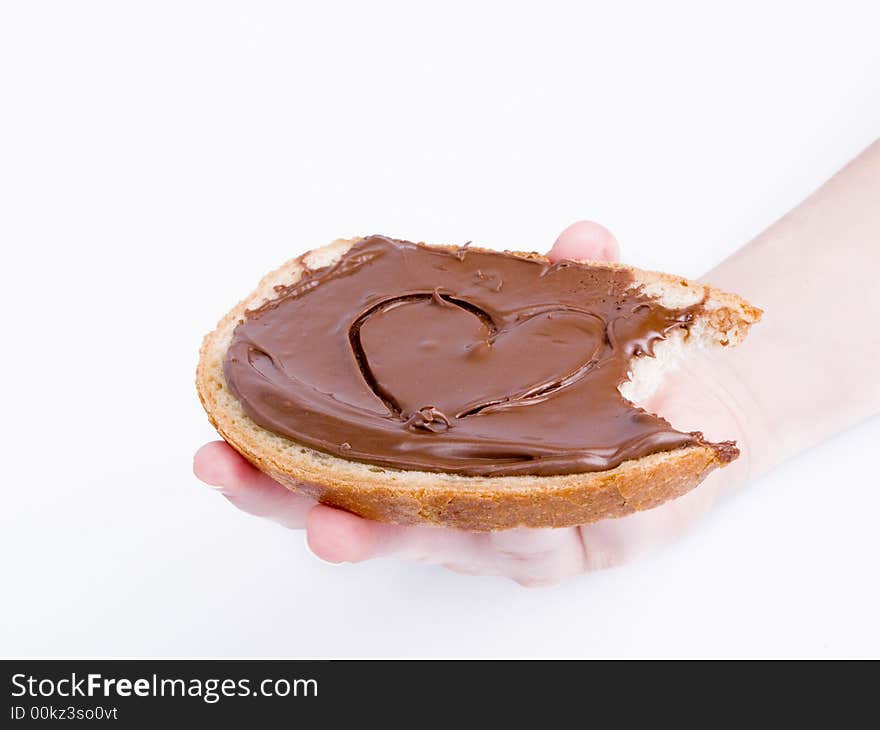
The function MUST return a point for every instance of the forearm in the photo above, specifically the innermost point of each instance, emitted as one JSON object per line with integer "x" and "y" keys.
{"x": 811, "y": 367}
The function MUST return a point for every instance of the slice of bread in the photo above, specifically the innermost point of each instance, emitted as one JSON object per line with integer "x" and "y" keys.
{"x": 468, "y": 502}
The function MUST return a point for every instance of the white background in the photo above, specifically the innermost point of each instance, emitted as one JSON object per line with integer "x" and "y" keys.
{"x": 157, "y": 158}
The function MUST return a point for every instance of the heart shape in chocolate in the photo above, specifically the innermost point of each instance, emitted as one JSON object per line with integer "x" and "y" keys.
{"x": 457, "y": 363}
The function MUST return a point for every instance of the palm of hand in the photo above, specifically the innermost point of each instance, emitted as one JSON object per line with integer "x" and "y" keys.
{"x": 528, "y": 556}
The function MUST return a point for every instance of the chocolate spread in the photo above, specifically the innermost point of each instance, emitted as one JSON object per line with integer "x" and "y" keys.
{"x": 456, "y": 360}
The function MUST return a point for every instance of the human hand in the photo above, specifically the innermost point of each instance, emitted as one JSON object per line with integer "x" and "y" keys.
{"x": 690, "y": 399}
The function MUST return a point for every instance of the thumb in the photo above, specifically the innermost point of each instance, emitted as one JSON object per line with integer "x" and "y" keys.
{"x": 585, "y": 241}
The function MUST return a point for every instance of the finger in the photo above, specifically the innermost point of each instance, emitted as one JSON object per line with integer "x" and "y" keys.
{"x": 219, "y": 465}
{"x": 585, "y": 241}
{"x": 338, "y": 536}
{"x": 530, "y": 557}
{"x": 534, "y": 557}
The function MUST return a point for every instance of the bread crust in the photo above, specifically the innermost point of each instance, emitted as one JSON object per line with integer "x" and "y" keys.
{"x": 466, "y": 502}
